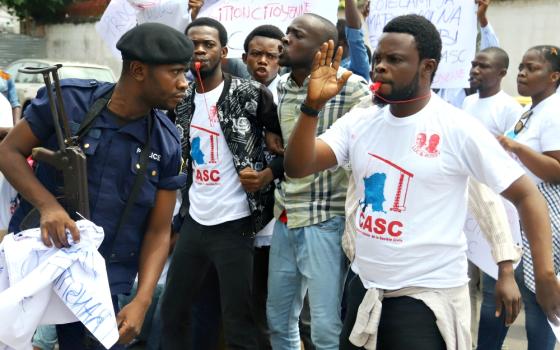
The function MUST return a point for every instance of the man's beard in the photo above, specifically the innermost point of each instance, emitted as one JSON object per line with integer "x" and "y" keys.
{"x": 402, "y": 94}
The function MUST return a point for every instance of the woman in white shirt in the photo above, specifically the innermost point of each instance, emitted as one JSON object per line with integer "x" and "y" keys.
{"x": 534, "y": 141}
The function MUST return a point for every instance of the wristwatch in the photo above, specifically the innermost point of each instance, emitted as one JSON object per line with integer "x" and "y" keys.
{"x": 304, "y": 108}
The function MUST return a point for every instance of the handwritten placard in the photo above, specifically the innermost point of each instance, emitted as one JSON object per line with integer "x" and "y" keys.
{"x": 479, "y": 251}
{"x": 241, "y": 16}
{"x": 456, "y": 23}
{"x": 118, "y": 18}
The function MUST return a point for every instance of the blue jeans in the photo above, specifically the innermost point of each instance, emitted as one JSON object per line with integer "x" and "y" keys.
{"x": 492, "y": 330}
{"x": 306, "y": 259}
{"x": 45, "y": 337}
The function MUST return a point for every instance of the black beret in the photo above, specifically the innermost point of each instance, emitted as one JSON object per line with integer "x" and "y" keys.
{"x": 155, "y": 43}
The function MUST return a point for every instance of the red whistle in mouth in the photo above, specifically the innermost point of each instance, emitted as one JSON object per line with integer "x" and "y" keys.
{"x": 375, "y": 86}
{"x": 197, "y": 65}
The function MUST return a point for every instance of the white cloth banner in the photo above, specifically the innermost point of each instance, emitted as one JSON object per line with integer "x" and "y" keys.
{"x": 241, "y": 16}
{"x": 42, "y": 285}
{"x": 122, "y": 15}
{"x": 456, "y": 22}
{"x": 479, "y": 251}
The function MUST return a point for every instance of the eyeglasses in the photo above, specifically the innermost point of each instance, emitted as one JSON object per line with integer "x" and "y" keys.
{"x": 522, "y": 122}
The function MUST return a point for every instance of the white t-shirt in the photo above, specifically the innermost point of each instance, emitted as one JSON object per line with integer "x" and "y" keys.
{"x": 542, "y": 131}
{"x": 6, "y": 117}
{"x": 411, "y": 178}
{"x": 216, "y": 194}
{"x": 497, "y": 113}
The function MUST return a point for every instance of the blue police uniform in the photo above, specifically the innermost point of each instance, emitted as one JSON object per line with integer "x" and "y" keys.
{"x": 113, "y": 152}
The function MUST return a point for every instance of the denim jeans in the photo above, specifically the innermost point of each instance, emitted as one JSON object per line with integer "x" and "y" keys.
{"x": 492, "y": 330}
{"x": 45, "y": 337}
{"x": 306, "y": 259}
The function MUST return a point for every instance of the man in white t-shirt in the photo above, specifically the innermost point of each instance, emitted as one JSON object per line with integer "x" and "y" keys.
{"x": 409, "y": 243}
{"x": 495, "y": 109}
{"x": 223, "y": 121}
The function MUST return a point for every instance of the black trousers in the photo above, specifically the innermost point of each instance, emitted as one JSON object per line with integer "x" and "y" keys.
{"x": 406, "y": 323}
{"x": 229, "y": 247}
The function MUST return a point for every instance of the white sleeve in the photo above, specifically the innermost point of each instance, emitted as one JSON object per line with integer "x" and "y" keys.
{"x": 511, "y": 115}
{"x": 488, "y": 37}
{"x": 337, "y": 137}
{"x": 486, "y": 160}
{"x": 550, "y": 131}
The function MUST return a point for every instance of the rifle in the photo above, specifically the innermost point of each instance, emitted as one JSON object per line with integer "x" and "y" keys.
{"x": 69, "y": 159}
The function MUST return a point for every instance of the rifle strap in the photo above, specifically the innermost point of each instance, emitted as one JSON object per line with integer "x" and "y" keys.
{"x": 136, "y": 186}
{"x": 96, "y": 109}
{"x": 93, "y": 112}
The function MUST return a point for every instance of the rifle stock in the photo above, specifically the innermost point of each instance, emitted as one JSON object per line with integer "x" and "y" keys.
{"x": 69, "y": 159}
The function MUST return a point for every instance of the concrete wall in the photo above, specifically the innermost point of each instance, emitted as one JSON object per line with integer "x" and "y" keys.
{"x": 521, "y": 25}
{"x": 79, "y": 42}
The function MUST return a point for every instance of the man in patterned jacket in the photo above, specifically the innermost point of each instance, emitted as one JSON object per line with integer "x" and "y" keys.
{"x": 228, "y": 197}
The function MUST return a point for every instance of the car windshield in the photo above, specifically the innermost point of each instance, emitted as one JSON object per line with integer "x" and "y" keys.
{"x": 100, "y": 74}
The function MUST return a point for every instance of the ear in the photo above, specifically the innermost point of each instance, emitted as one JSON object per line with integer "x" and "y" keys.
{"x": 138, "y": 70}
{"x": 555, "y": 76}
{"x": 429, "y": 66}
{"x": 244, "y": 58}
{"x": 224, "y": 51}
{"x": 502, "y": 73}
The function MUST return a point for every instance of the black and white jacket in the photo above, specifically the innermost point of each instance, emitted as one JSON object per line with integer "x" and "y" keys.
{"x": 245, "y": 110}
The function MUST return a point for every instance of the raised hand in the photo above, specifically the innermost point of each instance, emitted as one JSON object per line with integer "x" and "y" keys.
{"x": 481, "y": 12}
{"x": 323, "y": 82}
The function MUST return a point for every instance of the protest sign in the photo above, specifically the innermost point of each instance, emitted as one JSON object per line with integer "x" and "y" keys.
{"x": 122, "y": 15}
{"x": 479, "y": 251}
{"x": 238, "y": 16}
{"x": 118, "y": 18}
{"x": 241, "y": 16}
{"x": 456, "y": 23}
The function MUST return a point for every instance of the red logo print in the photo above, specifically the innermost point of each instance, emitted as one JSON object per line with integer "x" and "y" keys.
{"x": 427, "y": 147}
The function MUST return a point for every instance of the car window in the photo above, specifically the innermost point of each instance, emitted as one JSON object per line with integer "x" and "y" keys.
{"x": 13, "y": 69}
{"x": 29, "y": 78}
{"x": 100, "y": 74}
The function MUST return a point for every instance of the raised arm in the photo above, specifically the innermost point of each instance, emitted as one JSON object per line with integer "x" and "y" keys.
{"x": 359, "y": 61}
{"x": 488, "y": 37}
{"x": 305, "y": 154}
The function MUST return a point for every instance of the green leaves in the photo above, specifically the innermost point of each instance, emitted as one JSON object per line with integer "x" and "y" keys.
{"x": 42, "y": 11}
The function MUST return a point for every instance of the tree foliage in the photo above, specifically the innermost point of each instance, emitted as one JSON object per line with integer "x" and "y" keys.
{"x": 42, "y": 11}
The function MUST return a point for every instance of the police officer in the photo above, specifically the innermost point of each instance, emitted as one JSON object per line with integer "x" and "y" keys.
{"x": 155, "y": 57}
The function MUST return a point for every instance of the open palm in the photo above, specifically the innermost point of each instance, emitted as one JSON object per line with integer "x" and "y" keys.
{"x": 323, "y": 82}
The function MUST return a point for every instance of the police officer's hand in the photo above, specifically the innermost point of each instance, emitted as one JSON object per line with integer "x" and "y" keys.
{"x": 253, "y": 180}
{"x": 55, "y": 223}
{"x": 508, "y": 297}
{"x": 130, "y": 320}
{"x": 274, "y": 143}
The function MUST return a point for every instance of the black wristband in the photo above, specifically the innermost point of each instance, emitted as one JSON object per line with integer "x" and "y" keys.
{"x": 308, "y": 110}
